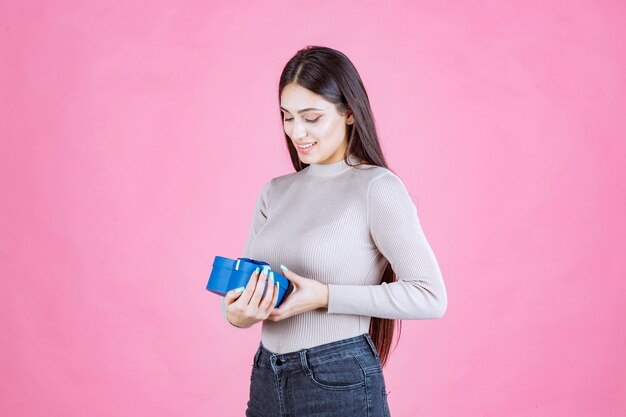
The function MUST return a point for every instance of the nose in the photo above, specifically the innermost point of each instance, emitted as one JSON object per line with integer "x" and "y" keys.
{"x": 298, "y": 131}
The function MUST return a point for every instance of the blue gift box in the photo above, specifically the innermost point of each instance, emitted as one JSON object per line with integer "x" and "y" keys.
{"x": 228, "y": 274}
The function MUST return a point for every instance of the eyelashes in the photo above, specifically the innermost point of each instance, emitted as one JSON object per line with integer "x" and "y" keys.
{"x": 308, "y": 121}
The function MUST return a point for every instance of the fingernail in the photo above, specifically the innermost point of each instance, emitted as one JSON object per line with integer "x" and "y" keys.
{"x": 277, "y": 286}
{"x": 283, "y": 267}
{"x": 271, "y": 275}
{"x": 256, "y": 270}
{"x": 240, "y": 289}
{"x": 266, "y": 268}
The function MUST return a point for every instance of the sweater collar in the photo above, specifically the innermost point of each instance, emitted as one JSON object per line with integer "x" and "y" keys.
{"x": 331, "y": 169}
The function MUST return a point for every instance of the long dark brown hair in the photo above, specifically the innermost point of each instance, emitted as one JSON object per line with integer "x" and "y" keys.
{"x": 330, "y": 74}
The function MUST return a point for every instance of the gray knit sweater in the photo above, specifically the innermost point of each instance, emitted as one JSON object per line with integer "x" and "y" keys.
{"x": 341, "y": 226}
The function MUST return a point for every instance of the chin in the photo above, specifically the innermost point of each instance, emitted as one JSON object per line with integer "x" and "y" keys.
{"x": 307, "y": 159}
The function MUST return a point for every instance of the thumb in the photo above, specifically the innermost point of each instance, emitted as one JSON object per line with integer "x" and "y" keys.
{"x": 292, "y": 276}
{"x": 233, "y": 294}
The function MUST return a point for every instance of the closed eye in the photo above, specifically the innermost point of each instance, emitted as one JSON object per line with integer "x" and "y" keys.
{"x": 308, "y": 120}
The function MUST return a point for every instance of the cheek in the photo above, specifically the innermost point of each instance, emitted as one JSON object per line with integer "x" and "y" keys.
{"x": 329, "y": 132}
{"x": 335, "y": 134}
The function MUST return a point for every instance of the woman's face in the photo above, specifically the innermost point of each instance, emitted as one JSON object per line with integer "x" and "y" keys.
{"x": 309, "y": 118}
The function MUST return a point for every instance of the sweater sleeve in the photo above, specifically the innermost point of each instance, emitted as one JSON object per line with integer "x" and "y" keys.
{"x": 259, "y": 216}
{"x": 419, "y": 292}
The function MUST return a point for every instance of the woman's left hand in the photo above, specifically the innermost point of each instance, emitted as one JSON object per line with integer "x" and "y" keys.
{"x": 308, "y": 294}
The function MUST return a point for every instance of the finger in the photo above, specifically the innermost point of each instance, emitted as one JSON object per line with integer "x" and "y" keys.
{"x": 250, "y": 286}
{"x": 283, "y": 307}
{"x": 276, "y": 314}
{"x": 232, "y": 295}
{"x": 260, "y": 285}
{"x": 269, "y": 293}
{"x": 274, "y": 299}
{"x": 289, "y": 274}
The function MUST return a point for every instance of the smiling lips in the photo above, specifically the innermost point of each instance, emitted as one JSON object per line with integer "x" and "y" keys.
{"x": 305, "y": 148}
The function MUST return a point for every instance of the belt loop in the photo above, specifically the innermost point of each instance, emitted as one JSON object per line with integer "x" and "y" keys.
{"x": 370, "y": 342}
{"x": 256, "y": 356}
{"x": 304, "y": 362}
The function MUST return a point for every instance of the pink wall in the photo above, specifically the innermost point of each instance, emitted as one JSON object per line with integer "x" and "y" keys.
{"x": 505, "y": 121}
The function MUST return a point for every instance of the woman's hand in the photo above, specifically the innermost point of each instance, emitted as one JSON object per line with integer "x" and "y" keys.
{"x": 308, "y": 294}
{"x": 247, "y": 308}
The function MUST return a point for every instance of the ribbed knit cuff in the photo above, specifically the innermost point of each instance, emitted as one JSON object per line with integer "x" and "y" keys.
{"x": 348, "y": 299}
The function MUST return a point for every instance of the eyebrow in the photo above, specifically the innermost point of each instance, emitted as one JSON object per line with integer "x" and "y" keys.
{"x": 303, "y": 110}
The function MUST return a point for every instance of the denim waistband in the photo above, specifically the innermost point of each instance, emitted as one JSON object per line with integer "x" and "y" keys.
{"x": 318, "y": 354}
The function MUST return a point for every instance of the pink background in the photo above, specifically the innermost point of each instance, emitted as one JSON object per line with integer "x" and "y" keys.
{"x": 135, "y": 138}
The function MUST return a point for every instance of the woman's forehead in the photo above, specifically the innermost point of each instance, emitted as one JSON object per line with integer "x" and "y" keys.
{"x": 297, "y": 98}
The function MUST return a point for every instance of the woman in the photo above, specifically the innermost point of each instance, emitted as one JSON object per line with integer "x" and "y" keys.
{"x": 341, "y": 228}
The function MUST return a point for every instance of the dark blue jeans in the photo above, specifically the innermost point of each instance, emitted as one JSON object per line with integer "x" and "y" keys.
{"x": 342, "y": 378}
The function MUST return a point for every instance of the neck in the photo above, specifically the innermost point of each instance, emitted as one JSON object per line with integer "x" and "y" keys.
{"x": 333, "y": 168}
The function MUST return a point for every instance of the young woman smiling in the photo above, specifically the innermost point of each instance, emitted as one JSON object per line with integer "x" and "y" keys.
{"x": 344, "y": 230}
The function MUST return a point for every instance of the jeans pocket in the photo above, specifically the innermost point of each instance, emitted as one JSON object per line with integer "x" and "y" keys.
{"x": 343, "y": 373}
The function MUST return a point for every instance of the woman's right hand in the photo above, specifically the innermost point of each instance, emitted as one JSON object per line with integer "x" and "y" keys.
{"x": 247, "y": 308}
